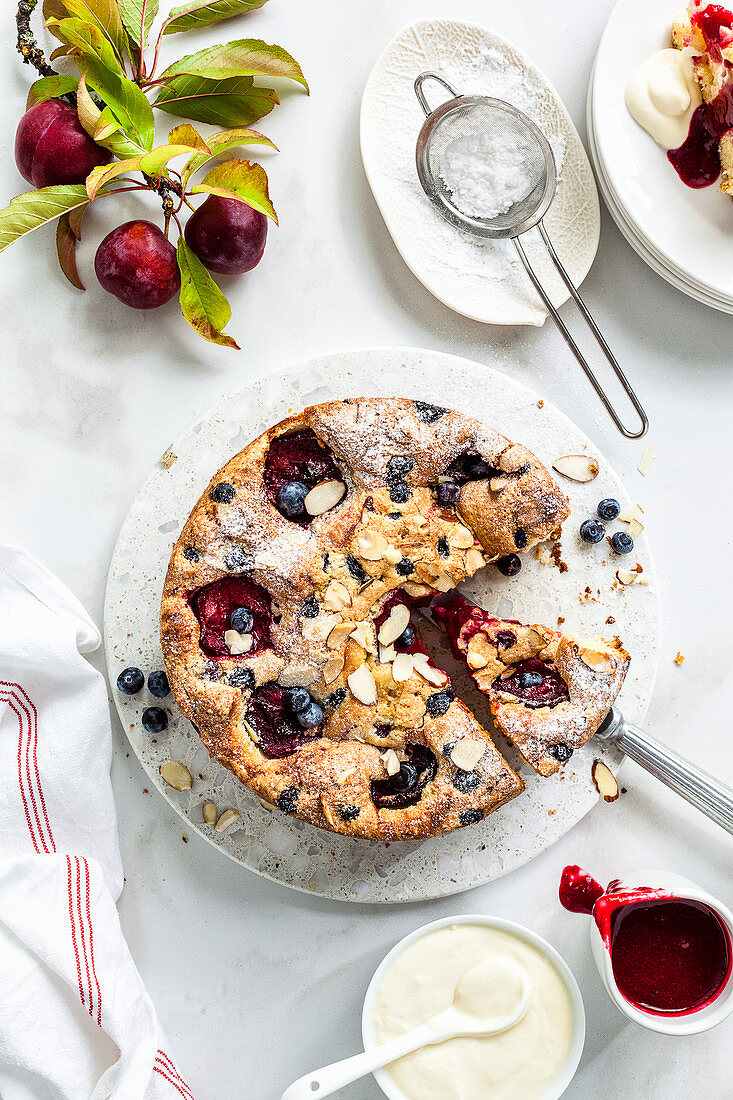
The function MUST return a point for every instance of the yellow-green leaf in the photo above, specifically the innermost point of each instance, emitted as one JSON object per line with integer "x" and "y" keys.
{"x": 152, "y": 163}
{"x": 221, "y": 143}
{"x": 87, "y": 110}
{"x": 50, "y": 87}
{"x": 102, "y": 175}
{"x": 35, "y": 208}
{"x": 238, "y": 179}
{"x": 105, "y": 15}
{"x": 188, "y": 135}
{"x": 202, "y": 13}
{"x": 244, "y": 57}
{"x": 89, "y": 40}
{"x": 232, "y": 102}
{"x": 202, "y": 302}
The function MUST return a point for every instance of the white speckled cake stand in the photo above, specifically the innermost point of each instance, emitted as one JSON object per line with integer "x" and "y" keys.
{"x": 586, "y": 595}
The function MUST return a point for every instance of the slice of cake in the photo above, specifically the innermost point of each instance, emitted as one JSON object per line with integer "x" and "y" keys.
{"x": 548, "y": 692}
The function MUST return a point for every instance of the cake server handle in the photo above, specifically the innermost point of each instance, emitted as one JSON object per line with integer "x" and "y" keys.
{"x": 704, "y": 791}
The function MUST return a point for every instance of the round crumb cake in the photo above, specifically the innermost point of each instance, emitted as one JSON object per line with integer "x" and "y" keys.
{"x": 287, "y": 625}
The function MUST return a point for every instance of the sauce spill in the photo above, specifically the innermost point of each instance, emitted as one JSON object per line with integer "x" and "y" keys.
{"x": 670, "y": 955}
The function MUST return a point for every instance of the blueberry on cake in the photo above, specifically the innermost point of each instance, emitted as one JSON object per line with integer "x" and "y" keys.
{"x": 287, "y": 619}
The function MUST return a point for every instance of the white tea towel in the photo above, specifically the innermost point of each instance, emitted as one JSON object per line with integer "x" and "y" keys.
{"x": 75, "y": 1020}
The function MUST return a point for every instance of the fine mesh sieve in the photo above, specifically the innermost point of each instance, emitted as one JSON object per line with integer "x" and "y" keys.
{"x": 471, "y": 117}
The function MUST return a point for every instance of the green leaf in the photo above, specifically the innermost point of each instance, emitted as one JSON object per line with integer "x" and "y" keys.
{"x": 94, "y": 47}
{"x": 201, "y": 13}
{"x": 66, "y": 240}
{"x": 35, "y": 208}
{"x": 245, "y": 57}
{"x": 129, "y": 105}
{"x": 54, "y": 9}
{"x": 202, "y": 302}
{"x": 232, "y": 102}
{"x": 104, "y": 126}
{"x": 238, "y": 179}
{"x": 221, "y": 143}
{"x": 49, "y": 87}
{"x": 103, "y": 14}
{"x": 99, "y": 177}
{"x": 132, "y": 17}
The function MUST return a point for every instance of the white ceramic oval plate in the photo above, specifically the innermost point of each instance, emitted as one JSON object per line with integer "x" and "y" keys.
{"x": 478, "y": 278}
{"x": 281, "y": 847}
{"x": 690, "y": 231}
{"x": 572, "y": 1060}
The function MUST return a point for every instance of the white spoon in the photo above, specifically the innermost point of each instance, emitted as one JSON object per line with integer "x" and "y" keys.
{"x": 490, "y": 998}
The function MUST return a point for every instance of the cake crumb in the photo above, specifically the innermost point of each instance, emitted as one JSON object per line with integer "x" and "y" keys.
{"x": 679, "y": 659}
{"x": 540, "y": 404}
{"x": 556, "y": 554}
{"x": 560, "y": 620}
{"x": 610, "y": 620}
{"x": 184, "y": 838}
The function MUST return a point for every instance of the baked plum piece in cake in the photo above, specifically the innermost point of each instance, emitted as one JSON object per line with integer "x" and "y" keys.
{"x": 286, "y": 615}
{"x": 548, "y": 692}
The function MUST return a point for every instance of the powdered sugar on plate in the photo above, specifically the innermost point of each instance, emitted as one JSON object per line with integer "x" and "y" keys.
{"x": 479, "y": 278}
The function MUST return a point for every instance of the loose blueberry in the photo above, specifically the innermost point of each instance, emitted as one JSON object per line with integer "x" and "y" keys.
{"x": 428, "y": 413}
{"x": 530, "y": 679}
{"x": 242, "y": 678}
{"x": 130, "y": 681}
{"x": 158, "y": 685}
{"x": 466, "y": 781}
{"x": 291, "y": 499}
{"x": 237, "y": 560}
{"x": 309, "y": 608}
{"x": 399, "y": 465}
{"x": 509, "y": 565}
{"x": 560, "y": 751}
{"x": 404, "y": 567}
{"x": 356, "y": 569}
{"x": 311, "y": 717}
{"x": 470, "y": 817}
{"x": 190, "y": 553}
{"x": 622, "y": 542}
{"x": 448, "y": 492}
{"x": 407, "y": 637}
{"x": 608, "y": 508}
{"x": 443, "y": 547}
{"x": 223, "y": 493}
{"x": 521, "y": 538}
{"x": 438, "y": 703}
{"x": 154, "y": 719}
{"x": 592, "y": 531}
{"x": 399, "y": 492}
{"x": 287, "y": 799}
{"x": 299, "y": 699}
{"x": 242, "y": 620}
{"x": 349, "y": 813}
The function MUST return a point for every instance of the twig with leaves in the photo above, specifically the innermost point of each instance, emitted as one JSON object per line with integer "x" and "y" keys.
{"x": 112, "y": 97}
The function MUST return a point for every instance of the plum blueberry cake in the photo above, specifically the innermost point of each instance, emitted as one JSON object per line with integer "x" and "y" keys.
{"x": 287, "y": 629}
{"x": 548, "y": 693}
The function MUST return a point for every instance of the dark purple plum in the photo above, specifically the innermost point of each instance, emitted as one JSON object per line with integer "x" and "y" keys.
{"x": 52, "y": 146}
{"x": 137, "y": 263}
{"x": 227, "y": 235}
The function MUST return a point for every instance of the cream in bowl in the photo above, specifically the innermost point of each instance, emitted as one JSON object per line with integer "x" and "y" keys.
{"x": 536, "y": 1058}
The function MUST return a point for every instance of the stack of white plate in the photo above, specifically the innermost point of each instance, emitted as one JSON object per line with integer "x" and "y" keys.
{"x": 685, "y": 235}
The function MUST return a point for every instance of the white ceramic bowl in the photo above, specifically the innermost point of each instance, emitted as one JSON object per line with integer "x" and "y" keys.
{"x": 563, "y": 1079}
{"x": 694, "y": 1022}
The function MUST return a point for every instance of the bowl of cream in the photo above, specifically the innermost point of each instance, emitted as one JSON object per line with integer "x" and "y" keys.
{"x": 534, "y": 1060}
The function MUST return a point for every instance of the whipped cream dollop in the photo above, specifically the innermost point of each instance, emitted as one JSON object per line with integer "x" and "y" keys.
{"x": 663, "y": 95}
{"x": 518, "y": 1064}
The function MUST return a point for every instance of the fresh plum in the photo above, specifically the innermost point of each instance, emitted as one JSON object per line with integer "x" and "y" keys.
{"x": 227, "y": 235}
{"x": 52, "y": 147}
{"x": 137, "y": 263}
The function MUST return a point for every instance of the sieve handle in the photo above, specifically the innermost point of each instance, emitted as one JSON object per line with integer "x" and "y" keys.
{"x": 420, "y": 80}
{"x": 594, "y": 329}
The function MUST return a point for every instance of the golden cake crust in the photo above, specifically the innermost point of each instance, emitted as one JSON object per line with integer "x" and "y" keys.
{"x": 329, "y": 581}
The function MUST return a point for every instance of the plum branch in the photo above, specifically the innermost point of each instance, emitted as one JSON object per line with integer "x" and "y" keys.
{"x": 28, "y": 47}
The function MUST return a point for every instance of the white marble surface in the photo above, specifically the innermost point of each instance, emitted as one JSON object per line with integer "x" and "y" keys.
{"x": 254, "y": 983}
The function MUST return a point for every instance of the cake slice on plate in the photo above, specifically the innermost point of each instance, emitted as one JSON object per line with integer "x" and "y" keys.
{"x": 548, "y": 692}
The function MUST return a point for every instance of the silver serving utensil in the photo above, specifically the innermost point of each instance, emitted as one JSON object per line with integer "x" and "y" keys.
{"x": 465, "y": 115}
